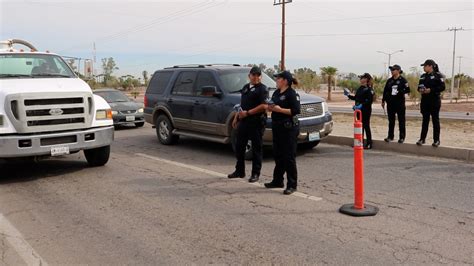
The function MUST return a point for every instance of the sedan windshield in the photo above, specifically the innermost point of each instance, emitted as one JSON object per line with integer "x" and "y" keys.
{"x": 34, "y": 66}
{"x": 113, "y": 96}
{"x": 234, "y": 80}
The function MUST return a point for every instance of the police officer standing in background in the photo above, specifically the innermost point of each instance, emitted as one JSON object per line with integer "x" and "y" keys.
{"x": 394, "y": 95}
{"x": 430, "y": 86}
{"x": 285, "y": 105}
{"x": 250, "y": 124}
{"x": 364, "y": 98}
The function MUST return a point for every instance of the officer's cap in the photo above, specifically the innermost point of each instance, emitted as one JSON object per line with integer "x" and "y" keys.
{"x": 285, "y": 75}
{"x": 396, "y": 67}
{"x": 365, "y": 76}
{"x": 429, "y": 62}
{"x": 255, "y": 71}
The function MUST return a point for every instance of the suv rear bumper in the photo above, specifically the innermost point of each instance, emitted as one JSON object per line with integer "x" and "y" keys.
{"x": 323, "y": 125}
{"x": 41, "y": 144}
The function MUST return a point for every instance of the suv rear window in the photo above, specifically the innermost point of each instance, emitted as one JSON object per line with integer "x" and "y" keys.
{"x": 159, "y": 82}
{"x": 185, "y": 83}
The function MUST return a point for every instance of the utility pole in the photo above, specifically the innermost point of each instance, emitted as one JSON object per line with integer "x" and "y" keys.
{"x": 459, "y": 78}
{"x": 390, "y": 57}
{"x": 283, "y": 33}
{"x": 454, "y": 58}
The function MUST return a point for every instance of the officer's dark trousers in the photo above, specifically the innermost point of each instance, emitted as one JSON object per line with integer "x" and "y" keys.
{"x": 397, "y": 109}
{"x": 250, "y": 128}
{"x": 284, "y": 152}
{"x": 366, "y": 113}
{"x": 430, "y": 108}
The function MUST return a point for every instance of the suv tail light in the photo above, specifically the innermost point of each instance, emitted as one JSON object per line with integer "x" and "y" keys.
{"x": 145, "y": 101}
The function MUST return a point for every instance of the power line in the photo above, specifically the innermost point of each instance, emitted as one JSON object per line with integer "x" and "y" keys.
{"x": 367, "y": 34}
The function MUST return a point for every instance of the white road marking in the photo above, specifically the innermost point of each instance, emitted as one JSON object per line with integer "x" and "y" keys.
{"x": 217, "y": 174}
{"x": 19, "y": 244}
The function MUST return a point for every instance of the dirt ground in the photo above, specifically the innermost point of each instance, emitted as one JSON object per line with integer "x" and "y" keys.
{"x": 453, "y": 133}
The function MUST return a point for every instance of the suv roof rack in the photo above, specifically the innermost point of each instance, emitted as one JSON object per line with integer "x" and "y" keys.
{"x": 200, "y": 65}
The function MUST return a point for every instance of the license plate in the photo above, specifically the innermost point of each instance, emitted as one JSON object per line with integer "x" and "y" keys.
{"x": 59, "y": 150}
{"x": 314, "y": 136}
{"x": 130, "y": 118}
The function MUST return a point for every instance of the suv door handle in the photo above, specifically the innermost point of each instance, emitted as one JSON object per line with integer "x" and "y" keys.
{"x": 170, "y": 100}
{"x": 197, "y": 102}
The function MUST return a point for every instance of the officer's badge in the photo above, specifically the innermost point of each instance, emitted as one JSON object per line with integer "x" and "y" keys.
{"x": 252, "y": 89}
{"x": 282, "y": 98}
{"x": 432, "y": 77}
{"x": 398, "y": 82}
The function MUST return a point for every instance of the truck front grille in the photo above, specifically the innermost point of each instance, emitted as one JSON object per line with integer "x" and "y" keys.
{"x": 311, "y": 110}
{"x": 51, "y": 111}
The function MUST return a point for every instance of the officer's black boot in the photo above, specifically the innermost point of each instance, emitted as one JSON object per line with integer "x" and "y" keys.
{"x": 274, "y": 185}
{"x": 436, "y": 143}
{"x": 253, "y": 178}
{"x": 289, "y": 191}
{"x": 236, "y": 175}
{"x": 420, "y": 142}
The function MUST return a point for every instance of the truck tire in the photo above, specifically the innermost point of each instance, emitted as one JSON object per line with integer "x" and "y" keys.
{"x": 141, "y": 124}
{"x": 248, "y": 148}
{"x": 98, "y": 156}
{"x": 164, "y": 131}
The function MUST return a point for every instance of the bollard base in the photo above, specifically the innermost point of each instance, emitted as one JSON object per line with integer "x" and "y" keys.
{"x": 349, "y": 209}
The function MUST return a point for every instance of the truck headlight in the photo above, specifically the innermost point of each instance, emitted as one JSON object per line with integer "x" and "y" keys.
{"x": 325, "y": 107}
{"x": 140, "y": 110}
{"x": 103, "y": 114}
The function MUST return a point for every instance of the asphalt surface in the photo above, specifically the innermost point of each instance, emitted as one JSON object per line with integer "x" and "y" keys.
{"x": 409, "y": 113}
{"x": 154, "y": 204}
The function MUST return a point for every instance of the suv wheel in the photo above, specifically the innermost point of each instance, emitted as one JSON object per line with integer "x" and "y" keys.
{"x": 248, "y": 147}
{"x": 164, "y": 131}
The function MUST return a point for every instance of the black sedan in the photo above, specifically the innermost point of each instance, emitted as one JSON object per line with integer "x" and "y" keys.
{"x": 124, "y": 110}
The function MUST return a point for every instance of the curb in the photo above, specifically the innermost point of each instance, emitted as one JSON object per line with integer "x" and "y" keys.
{"x": 425, "y": 150}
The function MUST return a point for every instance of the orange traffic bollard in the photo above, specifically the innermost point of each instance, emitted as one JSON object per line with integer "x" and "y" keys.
{"x": 358, "y": 208}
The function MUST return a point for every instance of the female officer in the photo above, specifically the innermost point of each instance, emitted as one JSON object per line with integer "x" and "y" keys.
{"x": 284, "y": 105}
{"x": 363, "y": 101}
{"x": 430, "y": 86}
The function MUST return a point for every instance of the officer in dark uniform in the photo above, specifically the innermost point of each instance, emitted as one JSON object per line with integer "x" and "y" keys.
{"x": 430, "y": 86}
{"x": 285, "y": 105}
{"x": 394, "y": 95}
{"x": 250, "y": 125}
{"x": 363, "y": 101}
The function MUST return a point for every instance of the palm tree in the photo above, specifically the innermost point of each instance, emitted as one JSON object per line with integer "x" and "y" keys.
{"x": 145, "y": 77}
{"x": 329, "y": 72}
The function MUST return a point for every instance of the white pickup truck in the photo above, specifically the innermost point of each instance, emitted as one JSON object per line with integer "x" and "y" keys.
{"x": 46, "y": 110}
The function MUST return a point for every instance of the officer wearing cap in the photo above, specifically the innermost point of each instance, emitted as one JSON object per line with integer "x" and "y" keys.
{"x": 250, "y": 124}
{"x": 363, "y": 101}
{"x": 285, "y": 106}
{"x": 430, "y": 86}
{"x": 394, "y": 95}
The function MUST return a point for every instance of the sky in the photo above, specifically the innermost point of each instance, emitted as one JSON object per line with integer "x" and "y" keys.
{"x": 150, "y": 35}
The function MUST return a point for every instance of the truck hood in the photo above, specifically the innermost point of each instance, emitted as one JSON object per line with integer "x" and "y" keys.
{"x": 35, "y": 85}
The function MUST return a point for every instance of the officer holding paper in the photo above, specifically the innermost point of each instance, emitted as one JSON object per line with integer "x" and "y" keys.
{"x": 394, "y": 95}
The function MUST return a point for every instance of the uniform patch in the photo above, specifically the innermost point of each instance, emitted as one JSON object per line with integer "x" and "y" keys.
{"x": 406, "y": 85}
{"x": 282, "y": 98}
{"x": 398, "y": 82}
{"x": 432, "y": 77}
{"x": 252, "y": 89}
{"x": 298, "y": 98}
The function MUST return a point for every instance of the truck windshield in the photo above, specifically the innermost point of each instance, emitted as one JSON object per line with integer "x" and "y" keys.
{"x": 234, "y": 80}
{"x": 33, "y": 66}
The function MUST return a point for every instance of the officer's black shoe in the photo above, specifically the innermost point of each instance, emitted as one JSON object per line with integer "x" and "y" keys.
{"x": 289, "y": 191}
{"x": 253, "y": 178}
{"x": 401, "y": 141}
{"x": 236, "y": 175}
{"x": 368, "y": 146}
{"x": 420, "y": 142}
{"x": 436, "y": 143}
{"x": 274, "y": 185}
{"x": 387, "y": 139}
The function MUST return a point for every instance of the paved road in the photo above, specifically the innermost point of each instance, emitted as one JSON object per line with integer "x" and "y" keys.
{"x": 155, "y": 204}
{"x": 409, "y": 113}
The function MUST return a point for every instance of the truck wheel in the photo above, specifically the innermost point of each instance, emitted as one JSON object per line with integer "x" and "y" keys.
{"x": 248, "y": 148}
{"x": 98, "y": 156}
{"x": 141, "y": 124}
{"x": 164, "y": 131}
{"x": 309, "y": 145}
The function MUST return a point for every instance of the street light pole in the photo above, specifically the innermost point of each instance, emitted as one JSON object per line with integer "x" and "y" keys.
{"x": 390, "y": 56}
{"x": 459, "y": 77}
{"x": 283, "y": 32}
{"x": 454, "y": 58}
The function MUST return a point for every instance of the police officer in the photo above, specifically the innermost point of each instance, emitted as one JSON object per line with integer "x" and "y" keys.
{"x": 394, "y": 95}
{"x": 363, "y": 101}
{"x": 249, "y": 123}
{"x": 284, "y": 105}
{"x": 430, "y": 86}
